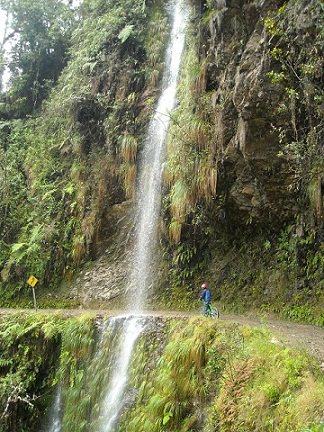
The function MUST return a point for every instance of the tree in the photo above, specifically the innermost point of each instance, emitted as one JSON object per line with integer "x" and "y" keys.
{"x": 40, "y": 33}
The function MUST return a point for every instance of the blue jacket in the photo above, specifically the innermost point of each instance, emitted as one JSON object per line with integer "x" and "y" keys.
{"x": 206, "y": 295}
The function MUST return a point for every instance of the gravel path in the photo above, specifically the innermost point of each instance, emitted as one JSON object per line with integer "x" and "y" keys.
{"x": 302, "y": 336}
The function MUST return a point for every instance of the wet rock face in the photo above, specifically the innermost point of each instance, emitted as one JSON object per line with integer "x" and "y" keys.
{"x": 257, "y": 182}
{"x": 105, "y": 279}
{"x": 254, "y": 118}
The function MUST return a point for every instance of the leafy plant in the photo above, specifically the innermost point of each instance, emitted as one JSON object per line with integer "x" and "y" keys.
{"x": 126, "y": 33}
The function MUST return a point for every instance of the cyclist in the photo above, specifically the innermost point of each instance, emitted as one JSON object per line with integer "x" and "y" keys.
{"x": 206, "y": 297}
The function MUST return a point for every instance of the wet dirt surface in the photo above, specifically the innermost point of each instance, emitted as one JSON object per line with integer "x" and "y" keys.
{"x": 301, "y": 336}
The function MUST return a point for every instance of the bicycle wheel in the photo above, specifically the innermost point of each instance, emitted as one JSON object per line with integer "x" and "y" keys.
{"x": 214, "y": 312}
{"x": 205, "y": 312}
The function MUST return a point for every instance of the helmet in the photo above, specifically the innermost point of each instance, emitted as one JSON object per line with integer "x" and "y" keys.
{"x": 204, "y": 285}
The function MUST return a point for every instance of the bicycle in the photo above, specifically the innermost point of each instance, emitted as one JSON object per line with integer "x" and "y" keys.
{"x": 211, "y": 312}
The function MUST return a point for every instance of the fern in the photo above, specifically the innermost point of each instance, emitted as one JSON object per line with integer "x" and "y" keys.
{"x": 126, "y": 33}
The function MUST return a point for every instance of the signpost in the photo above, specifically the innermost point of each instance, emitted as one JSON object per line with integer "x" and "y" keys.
{"x": 33, "y": 281}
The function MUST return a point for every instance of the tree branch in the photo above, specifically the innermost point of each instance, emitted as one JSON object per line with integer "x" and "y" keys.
{"x": 17, "y": 396}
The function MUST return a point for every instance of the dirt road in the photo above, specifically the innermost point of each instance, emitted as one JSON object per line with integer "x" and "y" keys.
{"x": 302, "y": 336}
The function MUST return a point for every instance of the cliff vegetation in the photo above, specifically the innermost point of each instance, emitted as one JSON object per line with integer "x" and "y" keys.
{"x": 199, "y": 375}
{"x": 243, "y": 177}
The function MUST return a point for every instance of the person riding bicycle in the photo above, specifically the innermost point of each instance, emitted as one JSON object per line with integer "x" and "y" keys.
{"x": 206, "y": 297}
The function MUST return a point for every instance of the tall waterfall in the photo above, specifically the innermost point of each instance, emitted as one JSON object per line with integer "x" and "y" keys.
{"x": 128, "y": 329}
{"x": 148, "y": 208}
{"x": 149, "y": 187}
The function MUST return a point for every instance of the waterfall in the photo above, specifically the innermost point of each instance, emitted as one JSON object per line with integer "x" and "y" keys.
{"x": 112, "y": 404}
{"x": 55, "y": 417}
{"x": 147, "y": 214}
{"x": 56, "y": 424}
{"x": 110, "y": 367}
{"x": 149, "y": 187}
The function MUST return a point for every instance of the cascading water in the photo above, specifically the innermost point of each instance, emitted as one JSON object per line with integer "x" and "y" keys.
{"x": 148, "y": 208}
{"x": 112, "y": 405}
{"x": 149, "y": 187}
{"x": 109, "y": 368}
{"x": 55, "y": 417}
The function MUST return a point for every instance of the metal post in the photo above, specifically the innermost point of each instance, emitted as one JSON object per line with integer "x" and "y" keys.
{"x": 34, "y": 297}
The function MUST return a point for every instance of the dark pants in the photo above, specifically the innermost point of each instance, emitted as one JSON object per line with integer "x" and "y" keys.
{"x": 206, "y": 307}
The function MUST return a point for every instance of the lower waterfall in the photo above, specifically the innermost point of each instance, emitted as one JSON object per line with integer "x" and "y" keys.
{"x": 97, "y": 404}
{"x": 55, "y": 415}
{"x": 113, "y": 402}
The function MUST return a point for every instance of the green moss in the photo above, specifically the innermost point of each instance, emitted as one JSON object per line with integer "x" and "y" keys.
{"x": 216, "y": 376}
{"x": 29, "y": 347}
{"x": 70, "y": 164}
{"x": 197, "y": 374}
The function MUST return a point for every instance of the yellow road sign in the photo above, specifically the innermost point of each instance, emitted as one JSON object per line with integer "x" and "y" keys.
{"x": 32, "y": 281}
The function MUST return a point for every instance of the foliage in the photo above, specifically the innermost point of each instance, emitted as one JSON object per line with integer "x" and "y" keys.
{"x": 297, "y": 67}
{"x": 12, "y": 185}
{"x": 40, "y": 352}
{"x": 125, "y": 33}
{"x": 63, "y": 169}
{"x": 62, "y": 173}
{"x": 206, "y": 170}
{"x": 214, "y": 376}
{"x": 263, "y": 387}
{"x": 76, "y": 352}
{"x": 166, "y": 402}
{"x": 40, "y": 36}
{"x": 199, "y": 374}
{"x": 29, "y": 348}
{"x": 191, "y": 171}
{"x": 303, "y": 314}
{"x": 282, "y": 274}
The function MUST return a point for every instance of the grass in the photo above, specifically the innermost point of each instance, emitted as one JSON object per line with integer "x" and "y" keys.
{"x": 187, "y": 301}
{"x": 217, "y": 376}
{"x": 267, "y": 388}
{"x": 191, "y": 168}
{"x": 188, "y": 374}
{"x": 129, "y": 147}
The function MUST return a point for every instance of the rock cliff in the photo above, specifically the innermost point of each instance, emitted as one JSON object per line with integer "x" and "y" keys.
{"x": 243, "y": 177}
